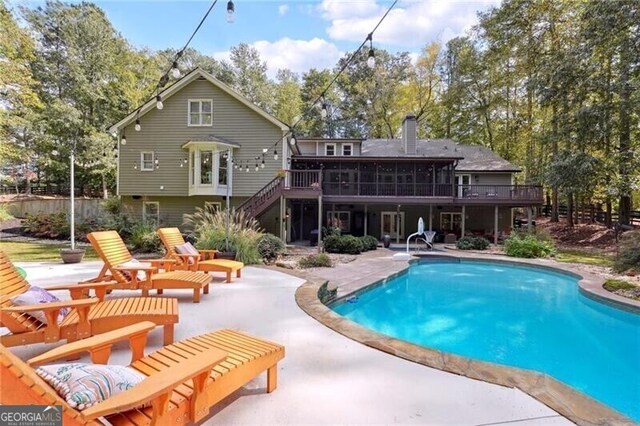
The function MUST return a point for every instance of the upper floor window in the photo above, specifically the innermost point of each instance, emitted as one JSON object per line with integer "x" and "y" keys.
{"x": 146, "y": 161}
{"x": 200, "y": 112}
{"x": 347, "y": 149}
{"x": 330, "y": 149}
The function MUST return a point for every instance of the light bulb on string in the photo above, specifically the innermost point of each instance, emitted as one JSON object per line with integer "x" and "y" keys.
{"x": 257, "y": 167}
{"x": 123, "y": 139}
{"x": 275, "y": 154}
{"x": 247, "y": 166}
{"x": 137, "y": 126}
{"x": 262, "y": 164}
{"x": 293, "y": 139}
{"x": 371, "y": 60}
{"x": 175, "y": 71}
{"x": 230, "y": 12}
{"x": 159, "y": 103}
{"x": 323, "y": 111}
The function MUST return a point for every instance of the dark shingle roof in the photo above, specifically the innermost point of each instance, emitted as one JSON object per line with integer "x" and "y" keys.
{"x": 471, "y": 157}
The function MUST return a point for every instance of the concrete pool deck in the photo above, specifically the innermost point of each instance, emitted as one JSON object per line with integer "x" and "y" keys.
{"x": 325, "y": 377}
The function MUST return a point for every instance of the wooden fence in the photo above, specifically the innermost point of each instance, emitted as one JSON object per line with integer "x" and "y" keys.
{"x": 85, "y": 208}
{"x": 592, "y": 214}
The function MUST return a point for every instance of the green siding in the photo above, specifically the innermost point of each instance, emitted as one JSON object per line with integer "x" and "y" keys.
{"x": 165, "y": 131}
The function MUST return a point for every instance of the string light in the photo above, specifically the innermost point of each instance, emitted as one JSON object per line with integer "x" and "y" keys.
{"x": 159, "y": 103}
{"x": 123, "y": 139}
{"x": 371, "y": 60}
{"x": 292, "y": 141}
{"x": 262, "y": 164}
{"x": 247, "y": 165}
{"x": 230, "y": 12}
{"x": 323, "y": 112}
{"x": 257, "y": 167}
{"x": 137, "y": 126}
{"x": 175, "y": 71}
{"x": 275, "y": 154}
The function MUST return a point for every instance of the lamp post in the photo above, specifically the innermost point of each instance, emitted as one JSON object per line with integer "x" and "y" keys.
{"x": 226, "y": 241}
{"x": 72, "y": 255}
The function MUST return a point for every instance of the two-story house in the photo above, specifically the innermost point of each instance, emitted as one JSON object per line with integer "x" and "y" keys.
{"x": 187, "y": 153}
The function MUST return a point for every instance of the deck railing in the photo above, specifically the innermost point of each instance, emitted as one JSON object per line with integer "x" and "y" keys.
{"x": 312, "y": 180}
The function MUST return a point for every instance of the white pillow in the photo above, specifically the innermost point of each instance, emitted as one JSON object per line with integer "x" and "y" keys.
{"x": 187, "y": 248}
{"x": 134, "y": 263}
{"x": 84, "y": 385}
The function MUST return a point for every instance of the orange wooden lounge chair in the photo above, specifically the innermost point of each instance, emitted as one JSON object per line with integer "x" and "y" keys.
{"x": 203, "y": 261}
{"x": 118, "y": 267}
{"x": 184, "y": 380}
{"x": 88, "y": 316}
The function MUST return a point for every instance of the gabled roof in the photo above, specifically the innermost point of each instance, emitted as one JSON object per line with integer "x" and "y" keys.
{"x": 471, "y": 157}
{"x": 188, "y": 78}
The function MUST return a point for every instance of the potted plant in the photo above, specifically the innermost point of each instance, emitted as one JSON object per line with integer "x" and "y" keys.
{"x": 72, "y": 255}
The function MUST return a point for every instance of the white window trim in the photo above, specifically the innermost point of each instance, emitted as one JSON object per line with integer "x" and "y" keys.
{"x": 335, "y": 150}
{"x": 144, "y": 210}
{"x": 333, "y": 213}
{"x": 349, "y": 145}
{"x": 218, "y": 204}
{"x": 153, "y": 161}
{"x": 189, "y": 112}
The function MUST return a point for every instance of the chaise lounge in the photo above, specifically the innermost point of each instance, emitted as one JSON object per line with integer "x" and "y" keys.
{"x": 183, "y": 380}
{"x": 128, "y": 274}
{"x": 197, "y": 261}
{"x": 87, "y": 316}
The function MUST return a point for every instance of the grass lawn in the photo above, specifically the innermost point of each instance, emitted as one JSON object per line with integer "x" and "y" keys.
{"x": 577, "y": 256}
{"x": 613, "y": 285}
{"x": 37, "y": 252}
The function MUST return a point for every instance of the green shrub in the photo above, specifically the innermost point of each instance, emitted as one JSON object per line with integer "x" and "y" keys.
{"x": 628, "y": 254}
{"x": 343, "y": 244}
{"x": 369, "y": 242}
{"x": 528, "y": 247}
{"x": 144, "y": 239}
{"x": 4, "y": 213}
{"x": 472, "y": 243}
{"x": 112, "y": 205}
{"x": 41, "y": 225}
{"x": 321, "y": 260}
{"x": 270, "y": 247}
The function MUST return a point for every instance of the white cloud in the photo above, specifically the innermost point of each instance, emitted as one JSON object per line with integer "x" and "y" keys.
{"x": 297, "y": 55}
{"x": 283, "y": 9}
{"x": 411, "y": 24}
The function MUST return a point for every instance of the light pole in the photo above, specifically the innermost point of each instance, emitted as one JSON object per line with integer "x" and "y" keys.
{"x": 226, "y": 241}
{"x": 72, "y": 193}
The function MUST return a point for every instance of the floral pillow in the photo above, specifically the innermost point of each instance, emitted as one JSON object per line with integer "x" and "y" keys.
{"x": 187, "y": 248}
{"x": 83, "y": 385}
{"x": 36, "y": 295}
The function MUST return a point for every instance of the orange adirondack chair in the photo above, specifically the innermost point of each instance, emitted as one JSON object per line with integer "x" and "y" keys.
{"x": 203, "y": 261}
{"x": 89, "y": 316}
{"x": 115, "y": 255}
{"x": 184, "y": 380}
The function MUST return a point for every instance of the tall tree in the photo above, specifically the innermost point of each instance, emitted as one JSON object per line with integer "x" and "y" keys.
{"x": 250, "y": 76}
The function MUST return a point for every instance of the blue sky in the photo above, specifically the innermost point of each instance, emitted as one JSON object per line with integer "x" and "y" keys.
{"x": 294, "y": 34}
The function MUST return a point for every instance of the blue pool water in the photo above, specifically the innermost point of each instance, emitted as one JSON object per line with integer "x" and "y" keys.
{"x": 512, "y": 315}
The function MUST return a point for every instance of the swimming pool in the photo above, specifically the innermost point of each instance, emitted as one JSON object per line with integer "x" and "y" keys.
{"x": 512, "y": 315}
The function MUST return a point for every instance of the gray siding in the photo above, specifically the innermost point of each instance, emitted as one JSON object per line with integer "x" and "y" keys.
{"x": 314, "y": 148}
{"x": 173, "y": 209}
{"x": 165, "y": 131}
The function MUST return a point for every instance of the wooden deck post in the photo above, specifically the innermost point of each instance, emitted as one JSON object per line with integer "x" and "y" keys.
{"x": 366, "y": 221}
{"x": 495, "y": 225}
{"x": 463, "y": 224}
{"x": 282, "y": 219}
{"x": 398, "y": 224}
{"x": 529, "y": 219}
{"x": 319, "y": 223}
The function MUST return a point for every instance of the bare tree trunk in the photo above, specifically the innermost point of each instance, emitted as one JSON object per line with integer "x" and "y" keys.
{"x": 625, "y": 159}
{"x": 570, "y": 210}
{"x": 608, "y": 220}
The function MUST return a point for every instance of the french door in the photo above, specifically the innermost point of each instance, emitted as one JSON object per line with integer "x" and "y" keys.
{"x": 392, "y": 224}
{"x": 463, "y": 183}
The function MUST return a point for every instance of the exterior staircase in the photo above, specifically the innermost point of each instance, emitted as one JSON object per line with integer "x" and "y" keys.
{"x": 264, "y": 198}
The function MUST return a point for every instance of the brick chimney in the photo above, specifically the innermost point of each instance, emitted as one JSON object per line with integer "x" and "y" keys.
{"x": 409, "y": 135}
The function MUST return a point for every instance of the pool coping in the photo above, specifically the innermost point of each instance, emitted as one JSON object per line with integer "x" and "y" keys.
{"x": 571, "y": 403}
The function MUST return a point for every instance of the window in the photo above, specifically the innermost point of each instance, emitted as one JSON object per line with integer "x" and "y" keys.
{"x": 339, "y": 219}
{"x": 330, "y": 149}
{"x": 146, "y": 161}
{"x": 193, "y": 168}
{"x": 222, "y": 168}
{"x": 200, "y": 112}
{"x": 151, "y": 213}
{"x": 212, "y": 206}
{"x": 347, "y": 149}
{"x": 206, "y": 167}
